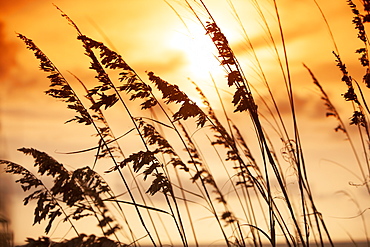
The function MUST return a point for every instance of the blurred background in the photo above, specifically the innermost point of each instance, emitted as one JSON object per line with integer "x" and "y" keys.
{"x": 151, "y": 37}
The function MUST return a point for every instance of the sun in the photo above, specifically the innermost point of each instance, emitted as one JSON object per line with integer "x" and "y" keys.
{"x": 199, "y": 51}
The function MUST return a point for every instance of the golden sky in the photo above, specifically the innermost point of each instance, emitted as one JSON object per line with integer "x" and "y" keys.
{"x": 151, "y": 37}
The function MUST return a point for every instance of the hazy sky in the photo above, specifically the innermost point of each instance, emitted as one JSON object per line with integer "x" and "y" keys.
{"x": 151, "y": 37}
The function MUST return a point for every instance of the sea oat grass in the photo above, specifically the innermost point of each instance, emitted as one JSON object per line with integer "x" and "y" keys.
{"x": 179, "y": 149}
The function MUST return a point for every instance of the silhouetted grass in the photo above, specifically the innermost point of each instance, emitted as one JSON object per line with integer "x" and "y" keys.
{"x": 171, "y": 166}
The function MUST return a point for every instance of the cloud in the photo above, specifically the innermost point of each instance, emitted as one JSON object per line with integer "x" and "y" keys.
{"x": 170, "y": 62}
{"x": 8, "y": 52}
{"x": 8, "y": 6}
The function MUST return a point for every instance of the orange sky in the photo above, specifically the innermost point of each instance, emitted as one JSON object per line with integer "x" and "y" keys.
{"x": 151, "y": 37}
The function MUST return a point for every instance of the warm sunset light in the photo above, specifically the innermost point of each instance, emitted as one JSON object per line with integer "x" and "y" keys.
{"x": 184, "y": 123}
{"x": 197, "y": 51}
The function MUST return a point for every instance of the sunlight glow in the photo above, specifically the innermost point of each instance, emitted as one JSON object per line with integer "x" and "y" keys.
{"x": 151, "y": 36}
{"x": 199, "y": 51}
